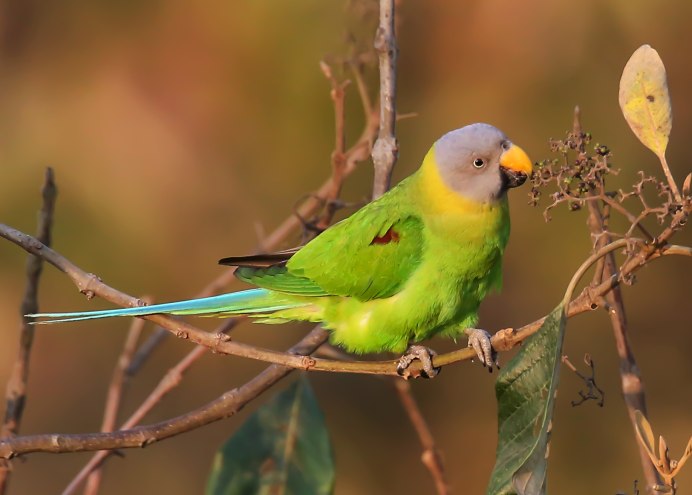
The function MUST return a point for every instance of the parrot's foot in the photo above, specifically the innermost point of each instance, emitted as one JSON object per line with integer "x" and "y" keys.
{"x": 424, "y": 355}
{"x": 480, "y": 341}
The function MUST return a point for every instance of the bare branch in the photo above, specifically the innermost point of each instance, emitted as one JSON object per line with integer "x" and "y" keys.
{"x": 170, "y": 381}
{"x": 224, "y": 406}
{"x": 593, "y": 391}
{"x": 669, "y": 176}
{"x": 15, "y": 393}
{"x": 386, "y": 148}
{"x": 431, "y": 457}
{"x": 357, "y": 153}
{"x": 116, "y": 390}
{"x": 630, "y": 376}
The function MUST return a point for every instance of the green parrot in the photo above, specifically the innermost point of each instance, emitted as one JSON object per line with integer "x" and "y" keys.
{"x": 414, "y": 263}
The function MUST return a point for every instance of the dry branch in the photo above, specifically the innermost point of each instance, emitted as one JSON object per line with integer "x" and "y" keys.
{"x": 168, "y": 382}
{"x": 630, "y": 376}
{"x": 431, "y": 457}
{"x": 116, "y": 390}
{"x": 386, "y": 149}
{"x": 224, "y": 406}
{"x": 15, "y": 394}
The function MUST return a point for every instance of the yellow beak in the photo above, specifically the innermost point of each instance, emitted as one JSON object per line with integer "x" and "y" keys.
{"x": 517, "y": 160}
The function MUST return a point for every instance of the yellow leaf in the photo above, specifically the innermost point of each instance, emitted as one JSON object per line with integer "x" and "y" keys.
{"x": 644, "y": 99}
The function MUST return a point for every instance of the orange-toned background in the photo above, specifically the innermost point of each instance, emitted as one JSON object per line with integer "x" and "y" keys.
{"x": 180, "y": 131}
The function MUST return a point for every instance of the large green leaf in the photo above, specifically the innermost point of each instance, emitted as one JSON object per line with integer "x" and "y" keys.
{"x": 282, "y": 449}
{"x": 525, "y": 391}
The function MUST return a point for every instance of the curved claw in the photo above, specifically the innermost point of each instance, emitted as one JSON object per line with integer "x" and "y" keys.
{"x": 424, "y": 355}
{"x": 480, "y": 341}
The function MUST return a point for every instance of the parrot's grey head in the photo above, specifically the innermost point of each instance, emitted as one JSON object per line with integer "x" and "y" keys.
{"x": 480, "y": 163}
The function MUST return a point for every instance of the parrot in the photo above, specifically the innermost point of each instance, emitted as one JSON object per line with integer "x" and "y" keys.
{"x": 414, "y": 263}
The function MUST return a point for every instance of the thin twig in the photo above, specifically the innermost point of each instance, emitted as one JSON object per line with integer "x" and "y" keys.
{"x": 168, "y": 382}
{"x": 223, "y": 407}
{"x": 339, "y": 156}
{"x": 386, "y": 148}
{"x": 116, "y": 390}
{"x": 15, "y": 394}
{"x": 593, "y": 391}
{"x": 630, "y": 376}
{"x": 357, "y": 153}
{"x": 431, "y": 457}
{"x": 669, "y": 176}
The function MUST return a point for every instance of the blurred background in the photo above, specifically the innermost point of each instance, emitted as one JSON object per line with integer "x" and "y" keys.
{"x": 181, "y": 132}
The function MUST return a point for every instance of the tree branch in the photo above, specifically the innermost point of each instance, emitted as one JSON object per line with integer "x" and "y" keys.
{"x": 115, "y": 393}
{"x": 357, "y": 153}
{"x": 168, "y": 382}
{"x": 431, "y": 457}
{"x": 630, "y": 377}
{"x": 15, "y": 394}
{"x": 386, "y": 148}
{"x": 224, "y": 406}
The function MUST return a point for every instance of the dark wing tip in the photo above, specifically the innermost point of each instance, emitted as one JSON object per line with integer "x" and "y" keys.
{"x": 259, "y": 260}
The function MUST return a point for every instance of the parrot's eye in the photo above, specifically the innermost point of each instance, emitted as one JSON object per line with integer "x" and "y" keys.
{"x": 478, "y": 162}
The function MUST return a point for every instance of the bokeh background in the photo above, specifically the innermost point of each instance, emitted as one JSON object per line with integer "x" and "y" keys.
{"x": 182, "y": 132}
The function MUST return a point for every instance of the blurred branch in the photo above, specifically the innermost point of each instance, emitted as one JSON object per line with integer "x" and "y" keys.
{"x": 15, "y": 394}
{"x": 168, "y": 382}
{"x": 630, "y": 376}
{"x": 431, "y": 457}
{"x": 224, "y": 406}
{"x": 348, "y": 160}
{"x": 115, "y": 392}
{"x": 385, "y": 150}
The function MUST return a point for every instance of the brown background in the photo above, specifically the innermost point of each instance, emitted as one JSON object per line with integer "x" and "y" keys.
{"x": 180, "y": 131}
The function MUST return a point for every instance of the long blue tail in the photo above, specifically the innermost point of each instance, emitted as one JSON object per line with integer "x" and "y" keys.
{"x": 253, "y": 301}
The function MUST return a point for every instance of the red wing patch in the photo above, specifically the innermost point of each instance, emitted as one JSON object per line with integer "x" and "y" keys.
{"x": 390, "y": 236}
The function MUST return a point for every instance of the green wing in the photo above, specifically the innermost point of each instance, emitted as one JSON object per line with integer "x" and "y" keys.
{"x": 277, "y": 277}
{"x": 369, "y": 255}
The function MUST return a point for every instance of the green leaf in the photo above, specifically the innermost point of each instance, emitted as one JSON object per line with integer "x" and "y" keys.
{"x": 644, "y": 99}
{"x": 525, "y": 391}
{"x": 282, "y": 449}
